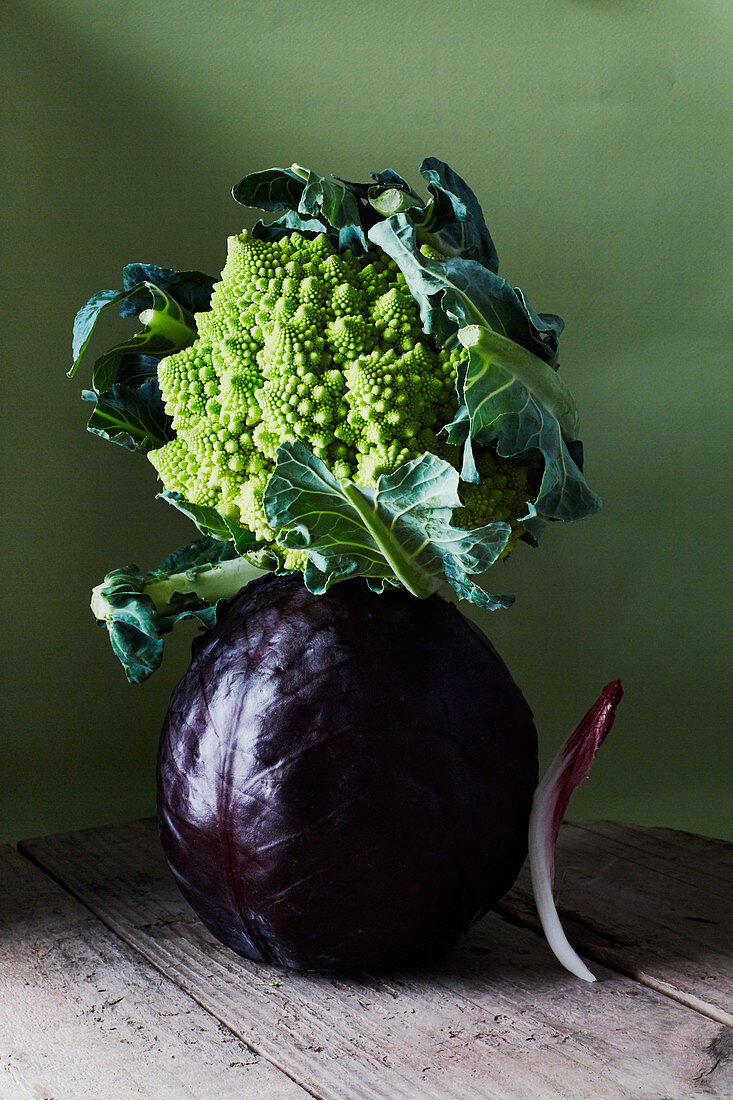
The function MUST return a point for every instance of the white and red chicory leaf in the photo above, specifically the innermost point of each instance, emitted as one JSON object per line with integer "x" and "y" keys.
{"x": 569, "y": 767}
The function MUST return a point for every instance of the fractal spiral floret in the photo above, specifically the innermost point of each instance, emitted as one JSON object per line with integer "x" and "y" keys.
{"x": 303, "y": 342}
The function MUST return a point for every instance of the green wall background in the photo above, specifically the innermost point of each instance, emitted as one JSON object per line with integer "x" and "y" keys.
{"x": 595, "y": 136}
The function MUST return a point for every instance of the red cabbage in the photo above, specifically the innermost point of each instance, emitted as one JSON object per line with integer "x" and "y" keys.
{"x": 345, "y": 780}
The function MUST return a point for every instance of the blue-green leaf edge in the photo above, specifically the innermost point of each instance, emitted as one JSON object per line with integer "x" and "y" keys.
{"x": 128, "y": 407}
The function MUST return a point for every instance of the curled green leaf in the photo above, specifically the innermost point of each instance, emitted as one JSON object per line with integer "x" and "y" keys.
{"x": 128, "y": 409}
{"x": 453, "y": 222}
{"x": 399, "y": 531}
{"x": 131, "y": 417}
{"x": 167, "y": 327}
{"x": 511, "y": 397}
{"x": 534, "y": 375}
{"x": 312, "y": 203}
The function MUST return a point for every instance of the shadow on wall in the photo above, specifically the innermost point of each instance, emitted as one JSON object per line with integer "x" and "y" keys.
{"x": 92, "y": 135}
{"x": 86, "y": 137}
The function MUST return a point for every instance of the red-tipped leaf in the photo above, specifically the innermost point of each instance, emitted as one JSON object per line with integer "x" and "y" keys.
{"x": 569, "y": 767}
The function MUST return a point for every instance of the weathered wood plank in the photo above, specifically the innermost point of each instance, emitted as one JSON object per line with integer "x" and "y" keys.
{"x": 497, "y": 1020}
{"x": 654, "y": 904}
{"x": 702, "y": 860}
{"x": 81, "y": 1014}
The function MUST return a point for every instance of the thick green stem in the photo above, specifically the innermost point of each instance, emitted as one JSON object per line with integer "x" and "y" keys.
{"x": 404, "y": 566}
{"x": 392, "y": 201}
{"x": 172, "y": 328}
{"x": 210, "y": 583}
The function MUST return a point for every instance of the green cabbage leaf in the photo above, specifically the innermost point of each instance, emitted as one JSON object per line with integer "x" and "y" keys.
{"x": 398, "y": 532}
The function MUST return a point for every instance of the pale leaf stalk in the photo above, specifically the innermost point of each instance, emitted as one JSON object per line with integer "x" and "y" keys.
{"x": 163, "y": 323}
{"x": 404, "y": 566}
{"x": 210, "y": 583}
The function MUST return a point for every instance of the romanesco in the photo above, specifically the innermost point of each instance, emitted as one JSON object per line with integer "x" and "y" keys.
{"x": 305, "y": 342}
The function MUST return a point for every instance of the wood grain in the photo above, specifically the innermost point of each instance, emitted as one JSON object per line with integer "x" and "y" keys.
{"x": 82, "y": 1015}
{"x": 498, "y": 1019}
{"x": 654, "y": 904}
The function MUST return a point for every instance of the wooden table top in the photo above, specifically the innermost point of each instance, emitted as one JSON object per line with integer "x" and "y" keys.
{"x": 111, "y": 987}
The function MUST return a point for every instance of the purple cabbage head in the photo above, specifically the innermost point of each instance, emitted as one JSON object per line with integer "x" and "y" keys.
{"x": 344, "y": 781}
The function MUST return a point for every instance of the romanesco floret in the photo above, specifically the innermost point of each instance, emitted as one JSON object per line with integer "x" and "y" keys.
{"x": 502, "y": 494}
{"x": 304, "y": 342}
